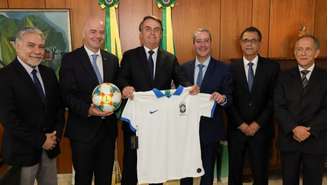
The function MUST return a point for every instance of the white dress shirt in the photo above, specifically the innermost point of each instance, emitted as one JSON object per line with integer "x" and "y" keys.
{"x": 254, "y": 61}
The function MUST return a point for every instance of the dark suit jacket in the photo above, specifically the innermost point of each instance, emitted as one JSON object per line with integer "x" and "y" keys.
{"x": 256, "y": 105}
{"x": 77, "y": 81}
{"x": 135, "y": 72}
{"x": 217, "y": 78}
{"x": 25, "y": 117}
{"x": 307, "y": 107}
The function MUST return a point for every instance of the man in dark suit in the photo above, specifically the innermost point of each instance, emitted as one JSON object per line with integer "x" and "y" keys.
{"x": 92, "y": 133}
{"x": 31, "y": 111}
{"x": 143, "y": 69}
{"x": 249, "y": 125}
{"x": 213, "y": 77}
{"x": 300, "y": 102}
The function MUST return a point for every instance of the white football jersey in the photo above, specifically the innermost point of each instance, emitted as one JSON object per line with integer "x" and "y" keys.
{"x": 167, "y": 126}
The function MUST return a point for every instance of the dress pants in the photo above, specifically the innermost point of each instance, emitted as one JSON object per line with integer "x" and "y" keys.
{"x": 257, "y": 147}
{"x": 45, "y": 172}
{"x": 296, "y": 163}
{"x": 94, "y": 159}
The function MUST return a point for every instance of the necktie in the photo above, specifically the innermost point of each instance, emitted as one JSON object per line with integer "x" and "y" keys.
{"x": 37, "y": 85}
{"x": 95, "y": 67}
{"x": 200, "y": 75}
{"x": 305, "y": 81}
{"x": 250, "y": 79}
{"x": 151, "y": 63}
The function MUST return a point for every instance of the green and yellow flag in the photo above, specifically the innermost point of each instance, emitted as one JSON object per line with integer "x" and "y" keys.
{"x": 112, "y": 36}
{"x": 167, "y": 39}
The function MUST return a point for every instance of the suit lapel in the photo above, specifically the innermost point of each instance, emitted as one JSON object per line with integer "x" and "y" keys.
{"x": 242, "y": 73}
{"x": 313, "y": 79}
{"x": 107, "y": 67}
{"x": 259, "y": 74}
{"x": 45, "y": 80}
{"x": 191, "y": 72}
{"x": 86, "y": 63}
{"x": 208, "y": 75}
{"x": 296, "y": 78}
{"x": 160, "y": 62}
{"x": 27, "y": 79}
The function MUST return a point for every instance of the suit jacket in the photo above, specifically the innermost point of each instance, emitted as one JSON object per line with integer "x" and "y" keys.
{"x": 77, "y": 81}
{"x": 135, "y": 72}
{"x": 25, "y": 117}
{"x": 256, "y": 105}
{"x": 217, "y": 78}
{"x": 307, "y": 107}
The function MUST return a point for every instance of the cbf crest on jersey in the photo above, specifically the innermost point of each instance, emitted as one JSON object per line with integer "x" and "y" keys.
{"x": 182, "y": 107}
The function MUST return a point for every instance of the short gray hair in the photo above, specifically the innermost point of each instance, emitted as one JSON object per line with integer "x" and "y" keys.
{"x": 315, "y": 40}
{"x": 201, "y": 30}
{"x": 26, "y": 30}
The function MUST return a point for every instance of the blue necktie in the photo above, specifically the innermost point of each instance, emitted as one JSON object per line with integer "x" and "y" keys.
{"x": 200, "y": 75}
{"x": 95, "y": 67}
{"x": 151, "y": 63}
{"x": 37, "y": 85}
{"x": 250, "y": 76}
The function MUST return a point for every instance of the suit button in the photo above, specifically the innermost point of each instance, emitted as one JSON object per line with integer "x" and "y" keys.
{"x": 250, "y": 104}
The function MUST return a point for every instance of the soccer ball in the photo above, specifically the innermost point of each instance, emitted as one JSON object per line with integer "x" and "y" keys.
{"x": 106, "y": 97}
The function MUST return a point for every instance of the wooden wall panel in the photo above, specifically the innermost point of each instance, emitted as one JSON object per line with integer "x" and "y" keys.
{"x": 26, "y": 4}
{"x": 80, "y": 12}
{"x": 260, "y": 19}
{"x": 320, "y": 25}
{"x": 236, "y": 15}
{"x": 55, "y": 3}
{"x": 286, "y": 19}
{"x": 4, "y": 4}
{"x": 189, "y": 15}
{"x": 131, "y": 13}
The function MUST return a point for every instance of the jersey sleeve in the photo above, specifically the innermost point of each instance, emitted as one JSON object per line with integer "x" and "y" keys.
{"x": 206, "y": 105}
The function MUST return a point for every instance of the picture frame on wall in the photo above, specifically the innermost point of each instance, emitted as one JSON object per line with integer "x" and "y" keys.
{"x": 54, "y": 23}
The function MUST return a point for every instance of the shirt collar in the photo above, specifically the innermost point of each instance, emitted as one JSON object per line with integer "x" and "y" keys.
{"x": 147, "y": 49}
{"x": 254, "y": 61}
{"x": 310, "y": 69}
{"x": 28, "y": 68}
{"x": 89, "y": 52}
{"x": 205, "y": 63}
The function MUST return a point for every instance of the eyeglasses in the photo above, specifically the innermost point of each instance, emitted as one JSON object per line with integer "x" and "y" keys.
{"x": 154, "y": 30}
{"x": 252, "y": 41}
{"x": 300, "y": 50}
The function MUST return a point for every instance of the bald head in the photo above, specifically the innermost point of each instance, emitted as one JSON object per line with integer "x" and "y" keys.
{"x": 93, "y": 33}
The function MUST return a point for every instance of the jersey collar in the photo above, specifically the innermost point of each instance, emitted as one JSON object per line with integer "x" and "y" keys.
{"x": 158, "y": 93}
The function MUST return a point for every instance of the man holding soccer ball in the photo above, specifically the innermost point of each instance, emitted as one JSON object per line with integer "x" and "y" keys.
{"x": 92, "y": 133}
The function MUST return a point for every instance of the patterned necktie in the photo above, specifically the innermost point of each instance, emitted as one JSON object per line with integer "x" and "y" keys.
{"x": 38, "y": 85}
{"x": 200, "y": 74}
{"x": 305, "y": 81}
{"x": 151, "y": 63}
{"x": 250, "y": 75}
{"x": 95, "y": 67}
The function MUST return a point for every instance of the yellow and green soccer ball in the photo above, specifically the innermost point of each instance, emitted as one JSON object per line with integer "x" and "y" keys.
{"x": 106, "y": 97}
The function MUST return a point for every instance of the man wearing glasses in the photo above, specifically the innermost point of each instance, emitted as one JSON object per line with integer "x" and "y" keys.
{"x": 249, "y": 127}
